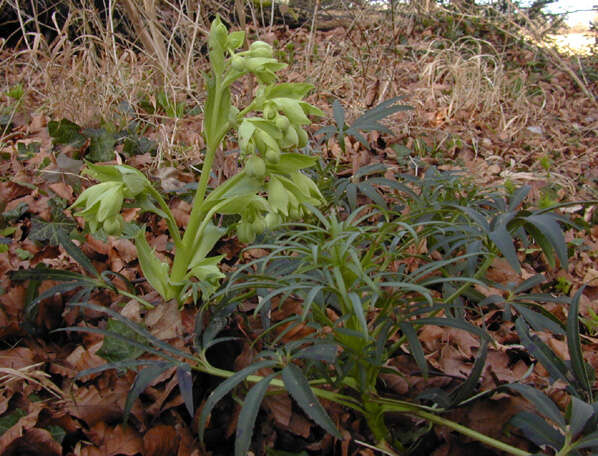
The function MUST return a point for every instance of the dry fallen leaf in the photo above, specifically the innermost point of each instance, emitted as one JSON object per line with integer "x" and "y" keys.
{"x": 112, "y": 441}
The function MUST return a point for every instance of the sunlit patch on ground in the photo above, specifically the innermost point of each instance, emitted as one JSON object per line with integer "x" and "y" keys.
{"x": 575, "y": 43}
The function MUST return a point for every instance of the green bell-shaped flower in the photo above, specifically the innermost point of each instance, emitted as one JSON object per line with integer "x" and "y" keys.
{"x": 260, "y": 49}
{"x": 99, "y": 203}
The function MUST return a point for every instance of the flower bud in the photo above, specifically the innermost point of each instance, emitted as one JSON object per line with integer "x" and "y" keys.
{"x": 237, "y": 63}
{"x": 255, "y": 167}
{"x": 111, "y": 203}
{"x": 302, "y": 136}
{"x": 269, "y": 112}
{"x": 259, "y": 225}
{"x": 272, "y": 156}
{"x": 245, "y": 232}
{"x": 291, "y": 137}
{"x": 272, "y": 220}
{"x": 260, "y": 49}
{"x": 113, "y": 225}
{"x": 282, "y": 123}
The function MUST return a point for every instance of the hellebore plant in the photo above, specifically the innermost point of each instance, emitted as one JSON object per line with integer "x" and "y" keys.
{"x": 269, "y": 190}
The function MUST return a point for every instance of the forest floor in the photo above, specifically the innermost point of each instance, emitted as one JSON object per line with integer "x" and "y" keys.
{"x": 509, "y": 115}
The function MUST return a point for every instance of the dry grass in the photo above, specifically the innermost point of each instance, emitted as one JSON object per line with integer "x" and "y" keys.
{"x": 457, "y": 87}
{"x": 30, "y": 374}
{"x": 472, "y": 83}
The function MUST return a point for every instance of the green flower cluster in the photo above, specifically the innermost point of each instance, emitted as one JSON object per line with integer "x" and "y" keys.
{"x": 268, "y": 140}
{"x": 266, "y": 145}
{"x": 102, "y": 203}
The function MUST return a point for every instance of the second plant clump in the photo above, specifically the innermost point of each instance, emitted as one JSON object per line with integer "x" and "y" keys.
{"x": 271, "y": 188}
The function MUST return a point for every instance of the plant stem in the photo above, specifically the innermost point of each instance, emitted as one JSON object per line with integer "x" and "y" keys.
{"x": 470, "y": 433}
{"x": 142, "y": 301}
{"x": 386, "y": 404}
{"x": 341, "y": 399}
{"x": 172, "y": 226}
{"x": 184, "y": 254}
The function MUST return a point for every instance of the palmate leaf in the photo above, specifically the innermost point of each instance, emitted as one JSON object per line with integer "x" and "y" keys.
{"x": 339, "y": 115}
{"x": 504, "y": 242}
{"x": 141, "y": 331}
{"x": 299, "y": 389}
{"x": 320, "y": 351}
{"x": 357, "y": 307}
{"x": 369, "y": 121}
{"x": 540, "y": 319}
{"x": 589, "y": 441}
{"x": 56, "y": 232}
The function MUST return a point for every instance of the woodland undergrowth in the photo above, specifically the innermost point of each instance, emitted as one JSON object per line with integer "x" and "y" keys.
{"x": 223, "y": 235}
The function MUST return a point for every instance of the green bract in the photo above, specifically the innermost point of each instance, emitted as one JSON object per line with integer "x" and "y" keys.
{"x": 271, "y": 188}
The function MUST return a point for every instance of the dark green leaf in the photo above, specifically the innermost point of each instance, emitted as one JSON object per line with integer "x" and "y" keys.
{"x": 518, "y": 196}
{"x": 589, "y": 441}
{"x": 45, "y": 273}
{"x": 543, "y": 403}
{"x": 372, "y": 194}
{"x": 357, "y": 306}
{"x": 581, "y": 412}
{"x": 120, "y": 365}
{"x": 12, "y": 418}
{"x": 144, "y": 333}
{"x": 555, "y": 366}
{"x": 454, "y": 323}
{"x": 547, "y": 225}
{"x": 574, "y": 343}
{"x": 75, "y": 252}
{"x": 538, "y": 321}
{"x": 309, "y": 299}
{"x": 368, "y": 170}
{"x": 298, "y": 387}
{"x": 530, "y": 283}
{"x": 248, "y": 414}
{"x": 226, "y": 387}
{"x": 115, "y": 350}
{"x": 102, "y": 144}
{"x": 467, "y": 389}
{"x": 504, "y": 242}
{"x": 144, "y": 378}
{"x": 183, "y": 374}
{"x": 320, "y": 351}
{"x": 66, "y": 132}
{"x": 56, "y": 432}
{"x": 537, "y": 430}
{"x": 339, "y": 116}
{"x": 415, "y": 347}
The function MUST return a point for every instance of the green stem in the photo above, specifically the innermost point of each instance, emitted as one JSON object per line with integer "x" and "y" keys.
{"x": 172, "y": 226}
{"x": 142, "y": 301}
{"x": 388, "y": 405}
{"x": 184, "y": 254}
{"x": 341, "y": 399}
{"x": 470, "y": 433}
